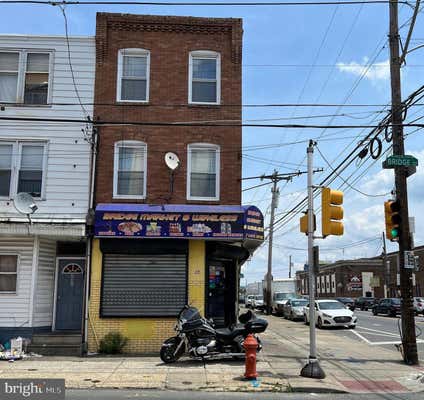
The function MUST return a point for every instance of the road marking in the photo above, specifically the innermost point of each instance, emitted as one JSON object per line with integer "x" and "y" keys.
{"x": 379, "y": 331}
{"x": 361, "y": 337}
{"x": 379, "y": 334}
{"x": 379, "y": 343}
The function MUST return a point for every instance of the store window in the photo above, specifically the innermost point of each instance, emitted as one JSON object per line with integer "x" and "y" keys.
{"x": 25, "y": 77}
{"x": 130, "y": 164}
{"x": 203, "y": 172}
{"x": 22, "y": 168}
{"x": 204, "y": 77}
{"x": 8, "y": 273}
{"x": 133, "y": 75}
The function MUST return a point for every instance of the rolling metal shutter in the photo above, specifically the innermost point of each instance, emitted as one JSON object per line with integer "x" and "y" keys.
{"x": 143, "y": 285}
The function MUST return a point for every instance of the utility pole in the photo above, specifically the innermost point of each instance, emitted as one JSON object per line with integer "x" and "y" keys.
{"x": 274, "y": 205}
{"x": 275, "y": 178}
{"x": 290, "y": 266}
{"x": 409, "y": 340}
{"x": 312, "y": 369}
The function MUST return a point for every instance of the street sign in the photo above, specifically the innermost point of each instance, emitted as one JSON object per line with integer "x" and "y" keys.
{"x": 409, "y": 260}
{"x": 400, "y": 161}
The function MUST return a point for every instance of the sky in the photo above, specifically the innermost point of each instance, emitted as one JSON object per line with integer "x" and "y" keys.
{"x": 321, "y": 54}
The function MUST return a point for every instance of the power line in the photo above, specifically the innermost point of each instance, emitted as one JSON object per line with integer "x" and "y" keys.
{"x": 191, "y": 106}
{"x": 346, "y": 182}
{"x": 196, "y": 124}
{"x": 226, "y": 3}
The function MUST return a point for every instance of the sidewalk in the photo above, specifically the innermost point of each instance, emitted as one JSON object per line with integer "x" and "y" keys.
{"x": 350, "y": 366}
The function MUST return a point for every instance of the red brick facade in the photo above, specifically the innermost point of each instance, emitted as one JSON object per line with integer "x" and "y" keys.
{"x": 169, "y": 40}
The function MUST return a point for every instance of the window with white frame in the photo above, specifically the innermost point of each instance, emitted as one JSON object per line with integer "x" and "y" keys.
{"x": 203, "y": 172}
{"x": 204, "y": 77}
{"x": 8, "y": 273}
{"x": 130, "y": 164}
{"x": 24, "y": 76}
{"x": 22, "y": 168}
{"x": 133, "y": 75}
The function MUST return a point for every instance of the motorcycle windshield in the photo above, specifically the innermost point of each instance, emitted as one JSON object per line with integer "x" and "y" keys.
{"x": 189, "y": 314}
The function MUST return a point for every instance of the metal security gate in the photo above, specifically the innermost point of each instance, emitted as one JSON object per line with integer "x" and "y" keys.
{"x": 143, "y": 285}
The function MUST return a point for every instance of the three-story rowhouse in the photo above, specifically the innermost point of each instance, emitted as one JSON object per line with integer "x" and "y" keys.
{"x": 169, "y": 226}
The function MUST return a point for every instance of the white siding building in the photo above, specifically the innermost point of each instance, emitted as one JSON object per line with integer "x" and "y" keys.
{"x": 42, "y": 265}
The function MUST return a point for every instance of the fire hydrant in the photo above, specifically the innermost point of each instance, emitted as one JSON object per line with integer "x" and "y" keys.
{"x": 250, "y": 346}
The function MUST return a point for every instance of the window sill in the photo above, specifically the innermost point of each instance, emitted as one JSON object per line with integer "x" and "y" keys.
{"x": 23, "y": 105}
{"x": 195, "y": 199}
{"x": 117, "y": 197}
{"x": 204, "y": 105}
{"x": 132, "y": 102}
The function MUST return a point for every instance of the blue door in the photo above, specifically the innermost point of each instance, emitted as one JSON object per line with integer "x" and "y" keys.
{"x": 70, "y": 293}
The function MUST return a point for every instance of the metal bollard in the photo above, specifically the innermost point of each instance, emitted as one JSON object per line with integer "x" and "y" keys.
{"x": 250, "y": 346}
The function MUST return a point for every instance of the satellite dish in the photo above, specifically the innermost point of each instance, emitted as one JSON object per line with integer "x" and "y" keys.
{"x": 172, "y": 161}
{"x": 25, "y": 204}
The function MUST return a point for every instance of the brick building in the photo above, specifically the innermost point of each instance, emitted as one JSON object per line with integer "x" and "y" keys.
{"x": 167, "y": 233}
{"x": 362, "y": 277}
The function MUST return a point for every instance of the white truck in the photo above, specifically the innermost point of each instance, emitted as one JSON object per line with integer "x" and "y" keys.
{"x": 282, "y": 290}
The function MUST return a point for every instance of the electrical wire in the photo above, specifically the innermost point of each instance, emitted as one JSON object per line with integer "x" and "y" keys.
{"x": 68, "y": 46}
{"x": 196, "y": 124}
{"x": 346, "y": 182}
{"x": 191, "y": 4}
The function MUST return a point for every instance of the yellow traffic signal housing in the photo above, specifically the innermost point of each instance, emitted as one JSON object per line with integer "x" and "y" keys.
{"x": 332, "y": 212}
{"x": 304, "y": 223}
{"x": 392, "y": 219}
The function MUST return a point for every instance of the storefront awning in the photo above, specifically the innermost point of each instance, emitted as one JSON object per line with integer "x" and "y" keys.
{"x": 229, "y": 223}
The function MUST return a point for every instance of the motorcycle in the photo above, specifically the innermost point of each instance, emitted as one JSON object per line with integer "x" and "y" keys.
{"x": 197, "y": 336}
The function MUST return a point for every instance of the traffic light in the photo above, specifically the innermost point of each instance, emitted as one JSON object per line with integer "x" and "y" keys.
{"x": 392, "y": 217}
{"x": 332, "y": 212}
{"x": 304, "y": 223}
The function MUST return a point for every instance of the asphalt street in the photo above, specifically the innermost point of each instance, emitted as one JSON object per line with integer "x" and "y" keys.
{"x": 382, "y": 331}
{"x": 192, "y": 395}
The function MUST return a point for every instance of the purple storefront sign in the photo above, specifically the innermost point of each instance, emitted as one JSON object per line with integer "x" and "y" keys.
{"x": 179, "y": 221}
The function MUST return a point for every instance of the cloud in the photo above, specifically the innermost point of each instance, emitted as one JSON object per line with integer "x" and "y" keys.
{"x": 374, "y": 72}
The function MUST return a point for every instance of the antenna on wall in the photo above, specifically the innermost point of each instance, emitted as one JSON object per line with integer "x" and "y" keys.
{"x": 25, "y": 204}
{"x": 172, "y": 162}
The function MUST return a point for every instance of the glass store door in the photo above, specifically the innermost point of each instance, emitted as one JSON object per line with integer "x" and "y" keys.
{"x": 216, "y": 293}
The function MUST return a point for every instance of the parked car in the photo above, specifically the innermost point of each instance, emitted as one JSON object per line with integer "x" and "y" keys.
{"x": 249, "y": 300}
{"x": 330, "y": 313}
{"x": 279, "y": 299}
{"x": 348, "y": 302}
{"x": 419, "y": 305}
{"x": 390, "y": 307}
{"x": 364, "y": 303}
{"x": 293, "y": 309}
{"x": 258, "y": 302}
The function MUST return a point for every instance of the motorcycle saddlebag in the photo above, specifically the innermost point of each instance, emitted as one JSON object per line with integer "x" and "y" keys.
{"x": 256, "y": 326}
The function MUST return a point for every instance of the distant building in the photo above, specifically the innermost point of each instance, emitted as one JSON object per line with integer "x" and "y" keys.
{"x": 362, "y": 277}
{"x": 254, "y": 288}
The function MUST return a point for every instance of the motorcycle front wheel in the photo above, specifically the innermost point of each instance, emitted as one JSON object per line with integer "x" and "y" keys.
{"x": 168, "y": 350}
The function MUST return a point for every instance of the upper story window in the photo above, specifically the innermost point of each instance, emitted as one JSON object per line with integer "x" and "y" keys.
{"x": 204, "y": 77}
{"x": 24, "y": 77}
{"x": 130, "y": 164}
{"x": 8, "y": 273}
{"x": 133, "y": 75}
{"x": 203, "y": 172}
{"x": 22, "y": 168}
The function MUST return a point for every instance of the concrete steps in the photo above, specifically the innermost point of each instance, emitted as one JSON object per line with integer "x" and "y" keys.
{"x": 56, "y": 344}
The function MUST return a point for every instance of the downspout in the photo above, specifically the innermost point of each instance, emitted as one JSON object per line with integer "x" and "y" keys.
{"x": 93, "y": 157}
